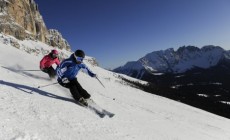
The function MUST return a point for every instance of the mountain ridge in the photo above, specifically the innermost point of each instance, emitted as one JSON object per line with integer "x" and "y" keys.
{"x": 170, "y": 61}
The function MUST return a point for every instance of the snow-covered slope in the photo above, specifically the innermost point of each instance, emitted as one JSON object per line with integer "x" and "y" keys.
{"x": 49, "y": 113}
{"x": 185, "y": 58}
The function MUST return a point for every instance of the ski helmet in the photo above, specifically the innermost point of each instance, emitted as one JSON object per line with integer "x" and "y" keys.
{"x": 54, "y": 52}
{"x": 79, "y": 53}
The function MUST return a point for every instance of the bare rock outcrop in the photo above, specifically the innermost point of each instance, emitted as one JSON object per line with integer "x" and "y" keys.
{"x": 22, "y": 19}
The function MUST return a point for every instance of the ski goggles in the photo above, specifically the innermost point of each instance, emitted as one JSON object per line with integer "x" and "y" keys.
{"x": 79, "y": 59}
{"x": 54, "y": 55}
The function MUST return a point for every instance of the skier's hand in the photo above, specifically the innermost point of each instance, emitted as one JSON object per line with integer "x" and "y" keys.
{"x": 65, "y": 80}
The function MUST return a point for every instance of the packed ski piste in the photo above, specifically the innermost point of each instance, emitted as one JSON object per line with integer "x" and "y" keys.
{"x": 52, "y": 94}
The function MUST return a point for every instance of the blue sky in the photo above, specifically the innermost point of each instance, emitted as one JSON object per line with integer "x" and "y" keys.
{"x": 117, "y": 31}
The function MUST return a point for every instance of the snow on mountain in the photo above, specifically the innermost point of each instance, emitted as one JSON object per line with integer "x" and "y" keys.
{"x": 169, "y": 60}
{"x": 50, "y": 113}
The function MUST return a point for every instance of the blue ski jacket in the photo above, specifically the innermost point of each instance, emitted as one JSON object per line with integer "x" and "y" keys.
{"x": 69, "y": 69}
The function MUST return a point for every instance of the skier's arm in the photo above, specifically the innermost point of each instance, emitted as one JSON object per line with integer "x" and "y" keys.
{"x": 90, "y": 73}
{"x": 42, "y": 62}
{"x": 57, "y": 61}
{"x": 62, "y": 68}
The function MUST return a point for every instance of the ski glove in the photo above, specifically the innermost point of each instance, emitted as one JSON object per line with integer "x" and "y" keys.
{"x": 65, "y": 80}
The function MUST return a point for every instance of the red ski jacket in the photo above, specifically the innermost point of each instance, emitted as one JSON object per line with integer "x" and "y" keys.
{"x": 47, "y": 61}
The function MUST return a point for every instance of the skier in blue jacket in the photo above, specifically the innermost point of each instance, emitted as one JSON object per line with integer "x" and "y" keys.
{"x": 67, "y": 72}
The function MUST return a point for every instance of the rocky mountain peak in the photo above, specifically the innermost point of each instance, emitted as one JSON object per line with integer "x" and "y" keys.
{"x": 56, "y": 39}
{"x": 22, "y": 19}
{"x": 188, "y": 49}
{"x": 211, "y": 47}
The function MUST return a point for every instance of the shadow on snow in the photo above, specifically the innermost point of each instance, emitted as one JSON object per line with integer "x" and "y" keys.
{"x": 24, "y": 88}
{"x": 25, "y": 72}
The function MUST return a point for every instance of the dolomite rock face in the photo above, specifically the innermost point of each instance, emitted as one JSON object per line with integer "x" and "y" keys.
{"x": 22, "y": 19}
{"x": 56, "y": 39}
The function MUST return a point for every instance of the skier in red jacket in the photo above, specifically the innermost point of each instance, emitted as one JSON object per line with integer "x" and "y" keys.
{"x": 47, "y": 62}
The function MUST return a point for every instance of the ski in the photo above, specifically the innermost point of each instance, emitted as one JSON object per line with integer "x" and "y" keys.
{"x": 101, "y": 114}
{"x": 97, "y": 109}
{"x": 108, "y": 113}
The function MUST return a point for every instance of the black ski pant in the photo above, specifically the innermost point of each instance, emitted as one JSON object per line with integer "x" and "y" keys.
{"x": 76, "y": 89}
{"x": 50, "y": 71}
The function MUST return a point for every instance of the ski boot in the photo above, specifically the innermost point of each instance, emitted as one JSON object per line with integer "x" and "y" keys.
{"x": 83, "y": 101}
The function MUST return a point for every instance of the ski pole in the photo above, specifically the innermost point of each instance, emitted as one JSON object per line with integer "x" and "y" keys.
{"x": 28, "y": 70}
{"x": 18, "y": 70}
{"x": 100, "y": 82}
{"x": 47, "y": 85}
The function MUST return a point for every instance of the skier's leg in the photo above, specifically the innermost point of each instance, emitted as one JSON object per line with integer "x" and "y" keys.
{"x": 45, "y": 70}
{"x": 76, "y": 94}
{"x": 51, "y": 72}
{"x": 81, "y": 90}
{"x": 73, "y": 90}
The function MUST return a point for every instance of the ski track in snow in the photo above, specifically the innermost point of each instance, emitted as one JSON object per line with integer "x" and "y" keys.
{"x": 49, "y": 113}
